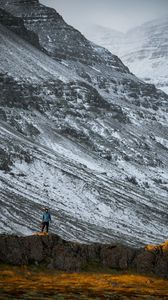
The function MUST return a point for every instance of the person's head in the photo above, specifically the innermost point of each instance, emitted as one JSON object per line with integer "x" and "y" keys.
{"x": 46, "y": 209}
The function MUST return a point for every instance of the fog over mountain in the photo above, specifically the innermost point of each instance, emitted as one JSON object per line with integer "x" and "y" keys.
{"x": 120, "y": 15}
{"x": 143, "y": 49}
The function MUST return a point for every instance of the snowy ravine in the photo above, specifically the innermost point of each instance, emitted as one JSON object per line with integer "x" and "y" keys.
{"x": 143, "y": 49}
{"x": 79, "y": 134}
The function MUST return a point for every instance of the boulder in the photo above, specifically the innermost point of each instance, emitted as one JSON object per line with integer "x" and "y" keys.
{"x": 57, "y": 253}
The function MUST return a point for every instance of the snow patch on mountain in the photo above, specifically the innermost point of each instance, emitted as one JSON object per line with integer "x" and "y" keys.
{"x": 21, "y": 60}
{"x": 143, "y": 49}
{"x": 78, "y": 134}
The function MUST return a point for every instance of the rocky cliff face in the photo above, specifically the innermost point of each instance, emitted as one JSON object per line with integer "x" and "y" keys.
{"x": 55, "y": 37}
{"x": 18, "y": 27}
{"x": 82, "y": 136}
{"x": 56, "y": 253}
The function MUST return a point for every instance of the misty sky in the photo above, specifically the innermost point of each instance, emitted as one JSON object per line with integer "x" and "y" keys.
{"x": 117, "y": 14}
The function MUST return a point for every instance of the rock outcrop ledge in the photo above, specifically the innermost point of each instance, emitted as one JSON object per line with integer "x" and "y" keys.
{"x": 63, "y": 255}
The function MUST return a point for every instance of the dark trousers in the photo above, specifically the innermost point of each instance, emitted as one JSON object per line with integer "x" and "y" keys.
{"x": 45, "y": 224}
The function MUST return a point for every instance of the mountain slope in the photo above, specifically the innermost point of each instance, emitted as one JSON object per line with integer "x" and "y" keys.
{"x": 87, "y": 139}
{"x": 149, "y": 54}
{"x": 47, "y": 30}
{"x": 143, "y": 49}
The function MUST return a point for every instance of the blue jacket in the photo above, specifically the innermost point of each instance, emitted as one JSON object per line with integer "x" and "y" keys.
{"x": 46, "y": 217}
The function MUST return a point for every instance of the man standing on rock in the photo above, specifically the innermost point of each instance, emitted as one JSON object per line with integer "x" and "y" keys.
{"x": 46, "y": 220}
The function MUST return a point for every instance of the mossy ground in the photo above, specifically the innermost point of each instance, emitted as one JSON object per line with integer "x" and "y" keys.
{"x": 39, "y": 283}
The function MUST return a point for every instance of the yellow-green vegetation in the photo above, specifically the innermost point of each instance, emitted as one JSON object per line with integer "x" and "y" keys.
{"x": 35, "y": 283}
{"x": 162, "y": 247}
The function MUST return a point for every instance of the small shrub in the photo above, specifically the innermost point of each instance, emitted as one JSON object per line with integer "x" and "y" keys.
{"x": 132, "y": 179}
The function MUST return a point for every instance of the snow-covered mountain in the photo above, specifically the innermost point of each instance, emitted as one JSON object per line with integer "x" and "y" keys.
{"x": 143, "y": 49}
{"x": 79, "y": 133}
